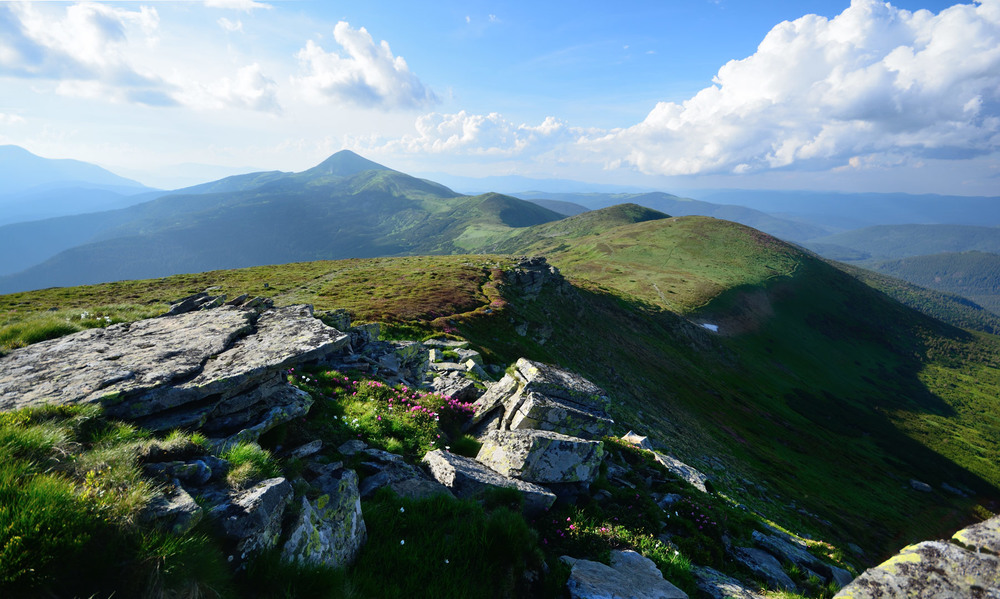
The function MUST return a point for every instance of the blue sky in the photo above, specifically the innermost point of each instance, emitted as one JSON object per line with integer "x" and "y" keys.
{"x": 862, "y": 96}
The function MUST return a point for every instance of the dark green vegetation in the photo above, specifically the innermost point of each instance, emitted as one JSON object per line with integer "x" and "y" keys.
{"x": 346, "y": 207}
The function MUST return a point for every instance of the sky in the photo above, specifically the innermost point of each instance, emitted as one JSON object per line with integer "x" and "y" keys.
{"x": 664, "y": 94}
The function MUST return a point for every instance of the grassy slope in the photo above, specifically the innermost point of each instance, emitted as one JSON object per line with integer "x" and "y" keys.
{"x": 822, "y": 390}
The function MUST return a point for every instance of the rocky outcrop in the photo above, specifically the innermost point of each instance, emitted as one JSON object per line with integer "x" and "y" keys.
{"x": 253, "y": 518}
{"x": 539, "y": 396}
{"x": 468, "y": 478}
{"x": 542, "y": 456}
{"x": 329, "y": 529}
{"x": 630, "y": 575}
{"x": 531, "y": 274}
{"x": 174, "y": 510}
{"x": 966, "y": 566}
{"x": 219, "y": 370}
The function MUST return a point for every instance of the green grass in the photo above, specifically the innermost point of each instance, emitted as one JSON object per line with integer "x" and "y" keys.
{"x": 249, "y": 463}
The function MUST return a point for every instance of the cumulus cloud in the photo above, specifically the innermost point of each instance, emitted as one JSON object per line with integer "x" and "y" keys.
{"x": 479, "y": 135}
{"x": 363, "y": 74}
{"x": 826, "y": 92}
{"x": 85, "y": 48}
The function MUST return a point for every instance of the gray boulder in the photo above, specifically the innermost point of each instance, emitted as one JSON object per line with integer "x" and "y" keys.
{"x": 329, "y": 530}
{"x": 542, "y": 456}
{"x": 695, "y": 477}
{"x": 717, "y": 585}
{"x": 929, "y": 570}
{"x": 454, "y": 385}
{"x": 630, "y": 576}
{"x": 467, "y": 478}
{"x": 544, "y": 397}
{"x": 253, "y": 517}
{"x": 174, "y": 510}
{"x": 787, "y": 550}
{"x": 967, "y": 566}
{"x": 764, "y": 565}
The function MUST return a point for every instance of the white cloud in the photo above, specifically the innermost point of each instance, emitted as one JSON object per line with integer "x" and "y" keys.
{"x": 367, "y": 74}
{"x": 476, "y": 135}
{"x": 825, "y": 92}
{"x": 244, "y": 5}
{"x": 85, "y": 47}
{"x": 231, "y": 26}
{"x": 10, "y": 119}
{"x": 250, "y": 89}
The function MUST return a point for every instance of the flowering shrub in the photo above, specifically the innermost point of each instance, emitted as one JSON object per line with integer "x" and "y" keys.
{"x": 397, "y": 419}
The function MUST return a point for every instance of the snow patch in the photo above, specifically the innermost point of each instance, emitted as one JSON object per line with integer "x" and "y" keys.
{"x": 712, "y": 327}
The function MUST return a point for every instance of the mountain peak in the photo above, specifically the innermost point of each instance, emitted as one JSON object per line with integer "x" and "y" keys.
{"x": 344, "y": 164}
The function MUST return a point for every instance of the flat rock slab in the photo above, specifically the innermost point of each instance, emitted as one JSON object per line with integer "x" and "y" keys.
{"x": 929, "y": 570}
{"x": 630, "y": 576}
{"x": 542, "y": 456}
{"x": 101, "y": 364}
{"x": 467, "y": 478}
{"x": 221, "y": 369}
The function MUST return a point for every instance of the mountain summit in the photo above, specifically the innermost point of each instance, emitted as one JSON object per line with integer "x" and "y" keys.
{"x": 344, "y": 163}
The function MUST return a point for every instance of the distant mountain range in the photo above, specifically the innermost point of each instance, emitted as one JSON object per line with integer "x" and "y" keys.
{"x": 35, "y": 187}
{"x": 107, "y": 227}
{"x": 345, "y": 207}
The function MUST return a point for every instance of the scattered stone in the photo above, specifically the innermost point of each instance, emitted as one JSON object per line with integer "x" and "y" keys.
{"x": 717, "y": 585}
{"x": 329, "y": 530}
{"x": 194, "y": 472}
{"x": 307, "y": 450}
{"x": 253, "y": 518}
{"x": 468, "y": 478}
{"x": 174, "y": 510}
{"x": 446, "y": 343}
{"x": 764, "y": 565}
{"x": 454, "y": 385}
{"x": 916, "y": 485}
{"x": 954, "y": 490}
{"x": 693, "y": 476}
{"x": 789, "y": 551}
{"x": 419, "y": 488}
{"x": 638, "y": 440}
{"x": 841, "y": 576}
{"x": 630, "y": 575}
{"x": 542, "y": 456}
{"x": 352, "y": 447}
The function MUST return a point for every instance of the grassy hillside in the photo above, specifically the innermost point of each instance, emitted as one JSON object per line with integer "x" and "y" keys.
{"x": 817, "y": 402}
